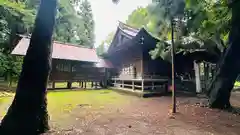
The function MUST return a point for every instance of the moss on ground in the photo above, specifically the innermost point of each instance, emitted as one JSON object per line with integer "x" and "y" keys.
{"x": 62, "y": 102}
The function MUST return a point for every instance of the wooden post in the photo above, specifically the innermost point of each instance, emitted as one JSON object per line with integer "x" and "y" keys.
{"x": 104, "y": 85}
{"x": 133, "y": 86}
{"x": 152, "y": 85}
{"x": 122, "y": 84}
{"x": 142, "y": 85}
{"x": 82, "y": 84}
{"x": 206, "y": 74}
{"x": 53, "y": 85}
{"x": 79, "y": 83}
{"x": 95, "y": 85}
{"x": 142, "y": 74}
{"x": 92, "y": 84}
{"x": 85, "y": 84}
{"x": 197, "y": 77}
{"x": 69, "y": 85}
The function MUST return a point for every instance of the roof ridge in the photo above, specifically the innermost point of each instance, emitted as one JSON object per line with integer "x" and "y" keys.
{"x": 126, "y": 26}
{"x": 61, "y": 51}
{"x": 70, "y": 44}
{"x": 59, "y": 42}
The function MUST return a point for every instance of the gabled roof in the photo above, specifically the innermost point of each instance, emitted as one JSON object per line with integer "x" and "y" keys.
{"x": 61, "y": 51}
{"x": 128, "y": 29}
{"x": 127, "y": 36}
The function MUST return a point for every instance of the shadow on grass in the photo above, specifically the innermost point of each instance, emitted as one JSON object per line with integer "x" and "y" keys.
{"x": 72, "y": 90}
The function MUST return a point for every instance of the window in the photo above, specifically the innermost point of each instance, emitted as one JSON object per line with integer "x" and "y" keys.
{"x": 74, "y": 69}
{"x": 66, "y": 67}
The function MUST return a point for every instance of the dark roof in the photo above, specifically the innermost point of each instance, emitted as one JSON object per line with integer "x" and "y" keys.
{"x": 127, "y": 36}
{"x": 128, "y": 29}
{"x": 66, "y": 52}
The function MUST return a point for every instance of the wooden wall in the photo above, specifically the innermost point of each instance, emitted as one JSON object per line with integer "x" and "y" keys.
{"x": 63, "y": 70}
{"x": 155, "y": 67}
{"x": 125, "y": 61}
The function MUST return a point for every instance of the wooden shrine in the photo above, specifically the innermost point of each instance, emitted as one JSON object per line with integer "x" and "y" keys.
{"x": 72, "y": 63}
{"x": 134, "y": 68}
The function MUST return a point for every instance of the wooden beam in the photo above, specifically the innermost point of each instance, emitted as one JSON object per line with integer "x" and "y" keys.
{"x": 142, "y": 85}
{"x": 133, "y": 88}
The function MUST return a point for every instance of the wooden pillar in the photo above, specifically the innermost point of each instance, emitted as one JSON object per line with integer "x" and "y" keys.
{"x": 122, "y": 84}
{"x": 153, "y": 85}
{"x": 142, "y": 71}
{"x": 133, "y": 88}
{"x": 53, "y": 85}
{"x": 79, "y": 83}
{"x": 85, "y": 84}
{"x": 206, "y": 75}
{"x": 142, "y": 85}
{"x": 101, "y": 84}
{"x": 92, "y": 84}
{"x": 115, "y": 83}
{"x": 95, "y": 85}
{"x": 69, "y": 85}
{"x": 82, "y": 84}
{"x": 104, "y": 82}
{"x": 197, "y": 77}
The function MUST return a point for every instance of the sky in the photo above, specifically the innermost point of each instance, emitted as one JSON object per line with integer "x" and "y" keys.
{"x": 107, "y": 14}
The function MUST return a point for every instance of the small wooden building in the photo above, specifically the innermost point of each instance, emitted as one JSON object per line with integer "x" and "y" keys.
{"x": 71, "y": 63}
{"x": 134, "y": 68}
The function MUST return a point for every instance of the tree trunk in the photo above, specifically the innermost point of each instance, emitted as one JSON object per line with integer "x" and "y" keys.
{"x": 28, "y": 111}
{"x": 229, "y": 68}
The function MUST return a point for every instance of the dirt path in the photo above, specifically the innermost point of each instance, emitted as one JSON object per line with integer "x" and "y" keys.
{"x": 148, "y": 116}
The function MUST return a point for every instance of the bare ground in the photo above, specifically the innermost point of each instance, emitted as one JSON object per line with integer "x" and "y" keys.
{"x": 147, "y": 116}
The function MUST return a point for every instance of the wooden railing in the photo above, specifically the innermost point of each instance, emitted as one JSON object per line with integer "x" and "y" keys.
{"x": 145, "y": 76}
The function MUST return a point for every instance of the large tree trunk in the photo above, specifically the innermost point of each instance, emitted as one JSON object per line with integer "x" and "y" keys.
{"x": 229, "y": 68}
{"x": 28, "y": 111}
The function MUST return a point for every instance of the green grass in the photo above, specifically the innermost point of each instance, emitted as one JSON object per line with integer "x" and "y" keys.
{"x": 237, "y": 84}
{"x": 62, "y": 102}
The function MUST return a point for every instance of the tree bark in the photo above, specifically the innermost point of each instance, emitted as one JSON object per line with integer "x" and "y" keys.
{"x": 28, "y": 111}
{"x": 229, "y": 66}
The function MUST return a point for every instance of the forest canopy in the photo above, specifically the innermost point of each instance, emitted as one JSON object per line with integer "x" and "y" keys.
{"x": 74, "y": 24}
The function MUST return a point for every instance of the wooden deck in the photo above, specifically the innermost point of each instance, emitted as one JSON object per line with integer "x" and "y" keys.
{"x": 141, "y": 86}
{"x": 141, "y": 79}
{"x": 139, "y": 93}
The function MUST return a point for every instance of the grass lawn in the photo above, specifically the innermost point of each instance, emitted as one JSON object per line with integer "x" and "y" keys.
{"x": 64, "y": 101}
{"x": 237, "y": 84}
